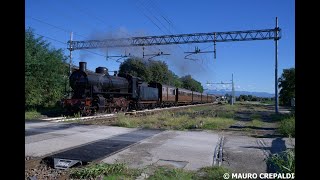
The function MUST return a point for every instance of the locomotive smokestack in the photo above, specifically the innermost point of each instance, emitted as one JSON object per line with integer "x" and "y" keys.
{"x": 83, "y": 66}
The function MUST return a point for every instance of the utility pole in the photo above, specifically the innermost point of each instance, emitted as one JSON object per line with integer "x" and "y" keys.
{"x": 233, "y": 92}
{"x": 70, "y": 62}
{"x": 233, "y": 97}
{"x": 276, "y": 68}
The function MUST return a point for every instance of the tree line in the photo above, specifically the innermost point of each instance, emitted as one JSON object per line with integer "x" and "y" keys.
{"x": 158, "y": 71}
{"x": 253, "y": 98}
{"x": 46, "y": 75}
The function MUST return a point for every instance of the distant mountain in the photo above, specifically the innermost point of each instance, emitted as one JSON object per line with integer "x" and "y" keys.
{"x": 238, "y": 93}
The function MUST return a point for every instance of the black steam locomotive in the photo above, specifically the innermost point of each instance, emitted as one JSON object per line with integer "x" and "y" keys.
{"x": 101, "y": 92}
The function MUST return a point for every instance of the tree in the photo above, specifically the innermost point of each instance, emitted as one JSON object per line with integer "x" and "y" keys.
{"x": 159, "y": 71}
{"x": 135, "y": 67}
{"x": 174, "y": 80}
{"x": 45, "y": 73}
{"x": 156, "y": 71}
{"x": 243, "y": 97}
{"x": 287, "y": 86}
{"x": 189, "y": 83}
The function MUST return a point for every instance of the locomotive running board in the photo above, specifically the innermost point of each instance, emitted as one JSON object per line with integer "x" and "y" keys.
{"x": 65, "y": 163}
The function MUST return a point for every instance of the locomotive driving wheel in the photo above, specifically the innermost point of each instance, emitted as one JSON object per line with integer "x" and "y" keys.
{"x": 125, "y": 109}
{"x": 86, "y": 111}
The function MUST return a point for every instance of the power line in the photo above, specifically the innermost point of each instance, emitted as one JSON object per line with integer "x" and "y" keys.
{"x": 88, "y": 14}
{"x": 150, "y": 19}
{"x": 66, "y": 44}
{"x": 57, "y": 27}
{"x": 65, "y": 30}
{"x": 51, "y": 38}
{"x": 93, "y": 16}
{"x": 154, "y": 11}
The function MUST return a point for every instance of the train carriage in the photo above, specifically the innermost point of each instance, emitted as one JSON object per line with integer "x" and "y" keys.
{"x": 211, "y": 98}
{"x": 167, "y": 94}
{"x": 204, "y": 98}
{"x": 184, "y": 96}
{"x": 196, "y": 97}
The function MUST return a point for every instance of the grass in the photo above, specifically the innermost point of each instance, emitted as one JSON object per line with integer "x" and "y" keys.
{"x": 40, "y": 112}
{"x": 32, "y": 114}
{"x": 271, "y": 102}
{"x": 213, "y": 117}
{"x": 200, "y": 108}
{"x": 280, "y": 117}
{"x": 205, "y": 117}
{"x": 217, "y": 123}
{"x": 255, "y": 116}
{"x": 215, "y": 172}
{"x": 283, "y": 162}
{"x": 176, "y": 121}
{"x": 287, "y": 127}
{"x": 121, "y": 171}
{"x": 171, "y": 174}
{"x": 107, "y": 171}
{"x": 255, "y": 123}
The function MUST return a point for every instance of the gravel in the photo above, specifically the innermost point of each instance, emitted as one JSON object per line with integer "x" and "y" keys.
{"x": 36, "y": 169}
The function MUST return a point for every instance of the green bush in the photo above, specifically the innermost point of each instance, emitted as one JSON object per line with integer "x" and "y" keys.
{"x": 287, "y": 127}
{"x": 95, "y": 170}
{"x": 45, "y": 73}
{"x": 283, "y": 162}
{"x": 171, "y": 174}
{"x": 215, "y": 172}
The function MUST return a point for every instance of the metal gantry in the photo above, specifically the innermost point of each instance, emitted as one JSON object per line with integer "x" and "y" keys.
{"x": 265, "y": 34}
{"x": 212, "y": 37}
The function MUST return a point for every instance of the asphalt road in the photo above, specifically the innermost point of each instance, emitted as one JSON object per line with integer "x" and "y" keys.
{"x": 141, "y": 147}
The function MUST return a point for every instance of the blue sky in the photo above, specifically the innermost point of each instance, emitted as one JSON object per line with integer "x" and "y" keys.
{"x": 251, "y": 62}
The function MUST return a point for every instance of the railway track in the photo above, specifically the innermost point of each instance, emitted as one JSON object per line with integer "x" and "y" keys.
{"x": 218, "y": 152}
{"x": 136, "y": 113}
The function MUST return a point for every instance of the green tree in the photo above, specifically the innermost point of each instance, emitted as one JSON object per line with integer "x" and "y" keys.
{"x": 174, "y": 80}
{"x": 45, "y": 72}
{"x": 159, "y": 71}
{"x": 287, "y": 86}
{"x": 153, "y": 70}
{"x": 189, "y": 83}
{"x": 135, "y": 67}
{"x": 243, "y": 98}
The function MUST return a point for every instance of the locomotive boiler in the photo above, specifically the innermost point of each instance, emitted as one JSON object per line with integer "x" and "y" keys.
{"x": 100, "y": 91}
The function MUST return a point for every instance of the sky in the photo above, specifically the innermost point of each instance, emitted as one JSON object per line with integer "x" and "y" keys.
{"x": 252, "y": 63}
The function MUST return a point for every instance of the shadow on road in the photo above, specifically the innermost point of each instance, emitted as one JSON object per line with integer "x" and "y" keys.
{"x": 251, "y": 127}
{"x": 278, "y": 145}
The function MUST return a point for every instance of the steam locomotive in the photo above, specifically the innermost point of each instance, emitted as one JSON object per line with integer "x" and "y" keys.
{"x": 105, "y": 93}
